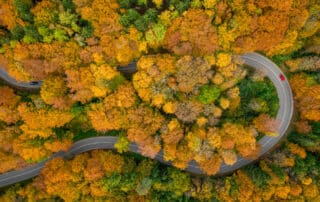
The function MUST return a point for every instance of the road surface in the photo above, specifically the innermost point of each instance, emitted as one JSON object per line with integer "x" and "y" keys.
{"x": 27, "y": 86}
{"x": 254, "y": 60}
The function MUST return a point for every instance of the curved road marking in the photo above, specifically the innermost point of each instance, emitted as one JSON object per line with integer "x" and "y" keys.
{"x": 255, "y": 60}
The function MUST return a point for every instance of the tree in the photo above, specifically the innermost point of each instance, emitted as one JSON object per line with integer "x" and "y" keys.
{"x": 8, "y": 103}
{"x": 45, "y": 12}
{"x": 10, "y": 160}
{"x": 96, "y": 10}
{"x": 155, "y": 35}
{"x": 297, "y": 150}
{"x": 304, "y": 64}
{"x": 113, "y": 113}
{"x": 172, "y": 133}
{"x": 143, "y": 125}
{"x": 266, "y": 124}
{"x": 179, "y": 76}
{"x": 208, "y": 94}
{"x": 303, "y": 127}
{"x": 229, "y": 156}
{"x": 224, "y": 59}
{"x": 93, "y": 170}
{"x": 10, "y": 16}
{"x": 189, "y": 34}
{"x": 86, "y": 83}
{"x": 43, "y": 118}
{"x": 241, "y": 138}
{"x": 58, "y": 179}
{"x": 183, "y": 155}
{"x": 123, "y": 49}
{"x": 38, "y": 139}
{"x": 104, "y": 119}
{"x": 55, "y": 92}
{"x": 122, "y": 144}
{"x": 306, "y": 94}
{"x": 311, "y": 191}
{"x": 188, "y": 112}
{"x": 26, "y": 64}
{"x": 180, "y": 182}
{"x": 211, "y": 165}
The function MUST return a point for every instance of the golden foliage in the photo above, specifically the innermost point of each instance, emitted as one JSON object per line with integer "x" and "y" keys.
{"x": 267, "y": 125}
{"x": 211, "y": 165}
{"x": 296, "y": 149}
{"x": 25, "y": 148}
{"x": 81, "y": 176}
{"x": 240, "y": 138}
{"x": 8, "y": 97}
{"x": 43, "y": 12}
{"x": 144, "y": 122}
{"x": 310, "y": 191}
{"x": 58, "y": 178}
{"x": 190, "y": 33}
{"x": 10, "y": 160}
{"x": 306, "y": 96}
{"x": 304, "y": 64}
{"x": 9, "y": 16}
{"x": 246, "y": 186}
{"x": 172, "y": 133}
{"x": 43, "y": 118}
{"x": 229, "y": 156}
{"x": 282, "y": 192}
{"x": 25, "y": 64}
{"x": 112, "y": 114}
{"x": 183, "y": 155}
{"x": 55, "y": 92}
{"x": 123, "y": 49}
{"x": 103, "y": 119}
{"x": 303, "y": 127}
{"x": 191, "y": 132}
{"x": 123, "y": 97}
{"x": 152, "y": 67}
{"x": 102, "y": 13}
{"x": 295, "y": 190}
{"x": 8, "y": 104}
{"x": 223, "y": 59}
{"x": 58, "y": 145}
{"x": 88, "y": 82}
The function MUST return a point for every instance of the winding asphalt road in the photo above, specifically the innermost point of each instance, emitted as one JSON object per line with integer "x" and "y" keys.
{"x": 27, "y": 86}
{"x": 254, "y": 60}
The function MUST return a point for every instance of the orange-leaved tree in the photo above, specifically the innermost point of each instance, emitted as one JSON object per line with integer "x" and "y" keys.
{"x": 8, "y": 105}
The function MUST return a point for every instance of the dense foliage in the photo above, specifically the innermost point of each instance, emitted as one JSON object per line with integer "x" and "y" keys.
{"x": 191, "y": 97}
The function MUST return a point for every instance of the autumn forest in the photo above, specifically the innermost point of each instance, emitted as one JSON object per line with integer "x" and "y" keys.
{"x": 192, "y": 98}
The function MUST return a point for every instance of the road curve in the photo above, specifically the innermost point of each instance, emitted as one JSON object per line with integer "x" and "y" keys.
{"x": 36, "y": 85}
{"x": 26, "y": 86}
{"x": 254, "y": 60}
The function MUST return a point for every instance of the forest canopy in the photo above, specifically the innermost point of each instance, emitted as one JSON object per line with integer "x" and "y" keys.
{"x": 191, "y": 98}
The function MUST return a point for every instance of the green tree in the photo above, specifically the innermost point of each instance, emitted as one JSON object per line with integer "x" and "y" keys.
{"x": 208, "y": 94}
{"x": 129, "y": 17}
{"x": 17, "y": 32}
{"x": 31, "y": 34}
{"x": 257, "y": 175}
{"x": 23, "y": 7}
{"x": 144, "y": 186}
